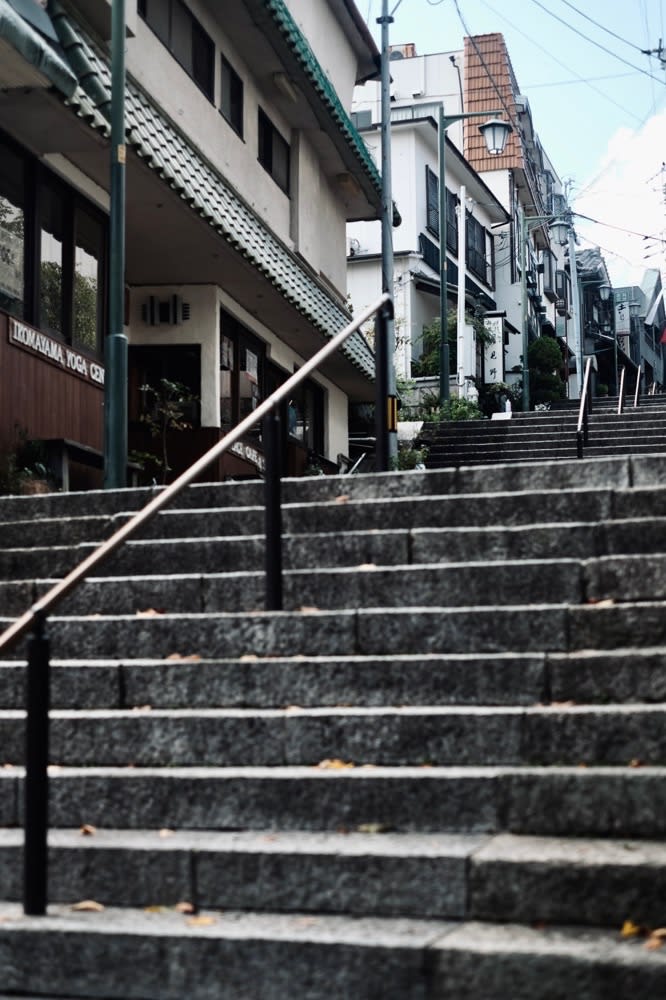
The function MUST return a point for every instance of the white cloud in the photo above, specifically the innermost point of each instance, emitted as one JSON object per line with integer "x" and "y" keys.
{"x": 628, "y": 192}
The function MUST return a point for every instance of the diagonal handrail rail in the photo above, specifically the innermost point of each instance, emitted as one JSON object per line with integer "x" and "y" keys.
{"x": 35, "y": 850}
{"x": 582, "y": 433}
{"x": 60, "y": 590}
{"x": 639, "y": 375}
{"x": 620, "y": 395}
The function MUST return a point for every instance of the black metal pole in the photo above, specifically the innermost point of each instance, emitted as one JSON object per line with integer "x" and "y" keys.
{"x": 273, "y": 457}
{"x": 382, "y": 401}
{"x": 36, "y": 772}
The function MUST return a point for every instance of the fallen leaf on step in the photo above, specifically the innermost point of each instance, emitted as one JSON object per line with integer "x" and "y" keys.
{"x": 88, "y": 830}
{"x": 201, "y": 921}
{"x": 562, "y": 704}
{"x": 8, "y": 767}
{"x": 165, "y": 832}
{"x": 343, "y": 498}
{"x": 630, "y": 929}
{"x": 155, "y": 908}
{"x": 247, "y": 657}
{"x": 635, "y": 762}
{"x": 308, "y": 609}
{"x": 149, "y": 613}
{"x": 367, "y": 566}
{"x": 54, "y": 768}
{"x": 87, "y": 906}
{"x": 334, "y": 764}
{"x": 293, "y": 708}
{"x": 606, "y": 602}
{"x": 184, "y": 907}
{"x": 142, "y": 708}
{"x": 373, "y": 828}
{"x": 653, "y": 943}
{"x": 181, "y": 656}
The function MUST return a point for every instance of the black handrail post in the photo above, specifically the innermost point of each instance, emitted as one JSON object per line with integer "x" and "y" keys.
{"x": 383, "y": 418}
{"x": 272, "y": 474}
{"x": 35, "y": 861}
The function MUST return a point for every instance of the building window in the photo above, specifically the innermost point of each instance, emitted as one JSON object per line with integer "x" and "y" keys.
{"x": 479, "y": 251}
{"x": 452, "y": 222}
{"x": 56, "y": 279}
{"x": 242, "y": 358}
{"x": 151, "y": 366}
{"x": 273, "y": 152}
{"x": 187, "y": 41}
{"x": 231, "y": 97}
{"x": 432, "y": 202}
{"x": 12, "y": 232}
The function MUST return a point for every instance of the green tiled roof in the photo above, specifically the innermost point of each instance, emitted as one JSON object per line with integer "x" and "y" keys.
{"x": 322, "y": 85}
{"x": 36, "y": 49}
{"x": 169, "y": 153}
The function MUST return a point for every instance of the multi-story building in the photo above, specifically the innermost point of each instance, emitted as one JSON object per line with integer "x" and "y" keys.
{"x": 512, "y": 268}
{"x": 242, "y": 170}
{"x": 640, "y": 325}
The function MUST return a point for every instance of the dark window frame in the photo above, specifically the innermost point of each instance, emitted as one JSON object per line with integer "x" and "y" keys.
{"x": 432, "y": 201}
{"x": 479, "y": 250}
{"x": 231, "y": 96}
{"x": 202, "y": 46}
{"x": 271, "y": 145}
{"x": 37, "y": 180}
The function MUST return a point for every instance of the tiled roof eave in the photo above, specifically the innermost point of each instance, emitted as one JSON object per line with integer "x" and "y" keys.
{"x": 36, "y": 50}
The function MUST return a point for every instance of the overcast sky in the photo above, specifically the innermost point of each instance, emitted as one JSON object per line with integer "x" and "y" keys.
{"x": 598, "y": 103}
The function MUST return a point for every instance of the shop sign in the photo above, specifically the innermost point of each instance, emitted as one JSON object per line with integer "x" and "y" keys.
{"x": 24, "y": 336}
{"x": 249, "y": 454}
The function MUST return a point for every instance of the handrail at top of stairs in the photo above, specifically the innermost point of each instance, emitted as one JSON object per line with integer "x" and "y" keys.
{"x": 620, "y": 394}
{"x": 37, "y": 686}
{"x": 582, "y": 432}
{"x": 639, "y": 375}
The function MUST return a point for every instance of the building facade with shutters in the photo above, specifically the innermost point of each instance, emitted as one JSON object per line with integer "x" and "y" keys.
{"x": 242, "y": 170}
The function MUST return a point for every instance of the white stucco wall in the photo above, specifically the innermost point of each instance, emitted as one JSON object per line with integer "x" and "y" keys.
{"x": 329, "y": 44}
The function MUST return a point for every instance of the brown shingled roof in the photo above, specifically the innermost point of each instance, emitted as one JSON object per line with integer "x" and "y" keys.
{"x": 481, "y": 94}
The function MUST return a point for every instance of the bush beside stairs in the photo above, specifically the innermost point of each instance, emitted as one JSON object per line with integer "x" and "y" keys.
{"x": 440, "y": 773}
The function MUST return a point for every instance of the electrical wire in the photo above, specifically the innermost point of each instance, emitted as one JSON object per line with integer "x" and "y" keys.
{"x": 603, "y": 27}
{"x": 588, "y": 79}
{"x": 592, "y": 41}
{"x": 491, "y": 78}
{"x": 537, "y": 45}
{"x": 609, "y": 225}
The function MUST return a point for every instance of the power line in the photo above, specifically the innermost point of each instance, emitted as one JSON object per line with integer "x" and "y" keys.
{"x": 533, "y": 41}
{"x": 603, "y": 27}
{"x": 592, "y": 41}
{"x": 581, "y": 79}
{"x": 609, "y": 225}
{"x": 485, "y": 66}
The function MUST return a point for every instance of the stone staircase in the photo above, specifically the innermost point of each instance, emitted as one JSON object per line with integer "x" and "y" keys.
{"x": 439, "y": 773}
{"x": 547, "y": 435}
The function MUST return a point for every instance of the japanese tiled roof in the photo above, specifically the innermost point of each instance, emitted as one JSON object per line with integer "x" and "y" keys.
{"x": 490, "y": 83}
{"x": 166, "y": 150}
{"x": 35, "y": 49}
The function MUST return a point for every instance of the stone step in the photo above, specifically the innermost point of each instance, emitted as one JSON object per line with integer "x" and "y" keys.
{"x": 456, "y": 584}
{"x": 121, "y": 954}
{"x": 555, "y": 801}
{"x": 385, "y": 736}
{"x": 622, "y": 676}
{"x": 362, "y": 873}
{"x": 370, "y": 631}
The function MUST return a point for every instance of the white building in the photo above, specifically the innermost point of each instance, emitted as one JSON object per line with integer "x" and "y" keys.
{"x": 242, "y": 169}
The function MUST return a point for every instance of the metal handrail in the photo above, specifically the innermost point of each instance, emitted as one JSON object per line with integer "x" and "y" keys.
{"x": 620, "y": 395}
{"x": 582, "y": 432}
{"x": 35, "y": 856}
{"x": 60, "y": 590}
{"x": 639, "y": 375}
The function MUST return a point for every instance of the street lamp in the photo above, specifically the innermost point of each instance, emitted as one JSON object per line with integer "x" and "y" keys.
{"x": 495, "y": 132}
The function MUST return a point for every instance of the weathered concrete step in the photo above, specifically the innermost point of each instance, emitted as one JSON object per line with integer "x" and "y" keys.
{"x": 411, "y": 630}
{"x": 359, "y": 873}
{"x": 621, "y": 676}
{"x": 133, "y": 955}
{"x": 362, "y": 873}
{"x": 546, "y": 801}
{"x": 499, "y": 678}
{"x": 454, "y": 584}
{"x": 387, "y": 736}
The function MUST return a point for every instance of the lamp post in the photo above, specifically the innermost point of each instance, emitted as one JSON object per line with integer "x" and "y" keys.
{"x": 560, "y": 232}
{"x": 605, "y": 294}
{"x": 115, "y": 383}
{"x": 495, "y": 132}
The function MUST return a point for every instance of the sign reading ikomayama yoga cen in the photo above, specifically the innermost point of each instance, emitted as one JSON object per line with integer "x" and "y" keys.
{"x": 24, "y": 336}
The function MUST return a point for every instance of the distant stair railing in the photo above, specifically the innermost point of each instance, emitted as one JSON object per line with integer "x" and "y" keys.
{"x": 637, "y": 393}
{"x": 582, "y": 429}
{"x": 621, "y": 391}
{"x": 34, "y": 620}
